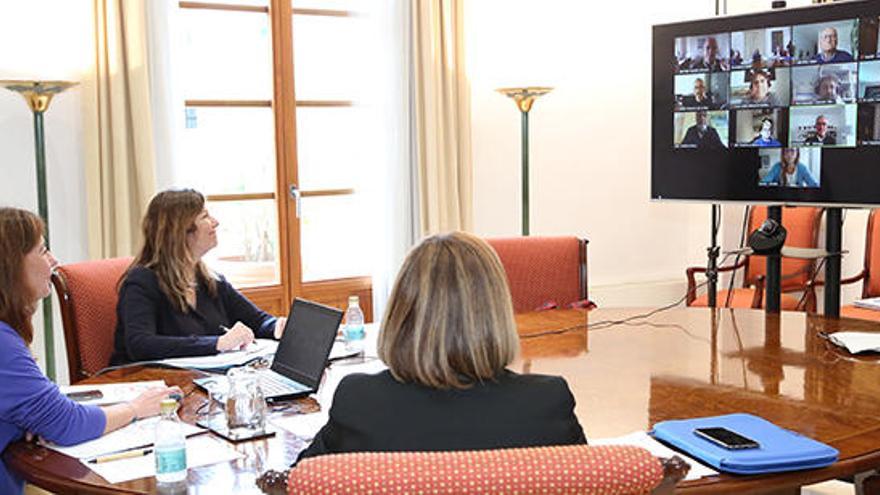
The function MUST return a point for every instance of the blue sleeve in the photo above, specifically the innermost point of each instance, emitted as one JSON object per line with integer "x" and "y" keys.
{"x": 807, "y": 177}
{"x": 139, "y": 302}
{"x": 33, "y": 403}
{"x": 772, "y": 176}
{"x": 239, "y": 308}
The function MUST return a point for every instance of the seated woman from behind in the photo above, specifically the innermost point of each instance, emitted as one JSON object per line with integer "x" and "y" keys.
{"x": 170, "y": 304}
{"x": 447, "y": 337}
{"x": 29, "y": 402}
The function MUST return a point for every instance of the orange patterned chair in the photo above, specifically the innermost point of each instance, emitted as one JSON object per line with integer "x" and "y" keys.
{"x": 544, "y": 272}
{"x": 88, "y": 296}
{"x": 546, "y": 470}
{"x": 802, "y": 224}
{"x": 870, "y": 274}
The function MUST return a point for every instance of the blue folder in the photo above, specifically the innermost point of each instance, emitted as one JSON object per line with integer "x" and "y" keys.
{"x": 780, "y": 449}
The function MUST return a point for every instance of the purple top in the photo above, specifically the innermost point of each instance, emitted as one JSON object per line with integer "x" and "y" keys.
{"x": 29, "y": 402}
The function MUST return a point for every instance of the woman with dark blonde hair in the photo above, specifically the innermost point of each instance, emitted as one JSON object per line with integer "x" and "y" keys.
{"x": 29, "y": 402}
{"x": 447, "y": 338}
{"x": 170, "y": 304}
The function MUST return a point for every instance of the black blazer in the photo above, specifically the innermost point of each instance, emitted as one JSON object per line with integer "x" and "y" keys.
{"x": 150, "y": 327}
{"x": 378, "y": 413}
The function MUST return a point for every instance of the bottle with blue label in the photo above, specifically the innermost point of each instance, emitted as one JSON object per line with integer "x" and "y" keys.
{"x": 170, "y": 446}
{"x": 353, "y": 331}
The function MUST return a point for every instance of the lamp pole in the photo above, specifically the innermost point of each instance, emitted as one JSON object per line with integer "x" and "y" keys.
{"x": 38, "y": 95}
{"x": 524, "y": 98}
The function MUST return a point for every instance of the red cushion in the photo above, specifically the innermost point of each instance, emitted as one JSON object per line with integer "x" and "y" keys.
{"x": 742, "y": 298}
{"x": 540, "y": 269}
{"x": 92, "y": 288}
{"x": 545, "y": 470}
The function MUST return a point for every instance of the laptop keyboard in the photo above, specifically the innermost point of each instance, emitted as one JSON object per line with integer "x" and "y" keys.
{"x": 273, "y": 385}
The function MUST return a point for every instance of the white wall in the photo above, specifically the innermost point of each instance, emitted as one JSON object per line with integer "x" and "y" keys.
{"x": 46, "y": 39}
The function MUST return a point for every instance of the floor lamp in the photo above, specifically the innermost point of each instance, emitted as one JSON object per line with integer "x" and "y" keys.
{"x": 38, "y": 95}
{"x": 524, "y": 97}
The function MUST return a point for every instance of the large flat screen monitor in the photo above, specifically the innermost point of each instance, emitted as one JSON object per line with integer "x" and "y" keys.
{"x": 776, "y": 107}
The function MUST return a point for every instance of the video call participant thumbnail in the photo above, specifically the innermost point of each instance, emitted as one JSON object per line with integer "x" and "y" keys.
{"x": 824, "y": 125}
{"x": 761, "y": 48}
{"x": 760, "y": 128}
{"x": 828, "y": 84}
{"x": 869, "y": 128}
{"x": 759, "y": 88}
{"x": 703, "y": 53}
{"x": 790, "y": 167}
{"x": 869, "y": 81}
{"x": 824, "y": 43}
{"x": 869, "y": 41}
{"x": 701, "y": 91}
{"x": 700, "y": 130}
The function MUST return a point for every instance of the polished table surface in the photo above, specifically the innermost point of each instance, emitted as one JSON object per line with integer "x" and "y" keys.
{"x": 625, "y": 377}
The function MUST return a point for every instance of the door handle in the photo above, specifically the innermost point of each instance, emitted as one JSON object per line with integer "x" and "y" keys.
{"x": 296, "y": 195}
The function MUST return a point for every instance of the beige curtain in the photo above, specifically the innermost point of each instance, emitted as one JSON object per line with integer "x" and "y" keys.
{"x": 441, "y": 110}
{"x": 120, "y": 163}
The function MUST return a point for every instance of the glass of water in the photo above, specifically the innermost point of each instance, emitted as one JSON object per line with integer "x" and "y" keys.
{"x": 245, "y": 404}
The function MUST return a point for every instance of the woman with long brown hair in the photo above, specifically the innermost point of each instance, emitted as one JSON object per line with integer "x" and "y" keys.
{"x": 170, "y": 304}
{"x": 29, "y": 402}
{"x": 447, "y": 338}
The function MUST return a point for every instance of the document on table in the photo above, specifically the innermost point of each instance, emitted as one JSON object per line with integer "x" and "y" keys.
{"x": 202, "y": 450}
{"x": 305, "y": 426}
{"x": 869, "y": 303}
{"x": 645, "y": 441}
{"x": 138, "y": 434}
{"x": 259, "y": 348}
{"x": 111, "y": 393}
{"x": 856, "y": 342}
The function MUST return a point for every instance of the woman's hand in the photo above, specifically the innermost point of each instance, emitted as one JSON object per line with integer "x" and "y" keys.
{"x": 280, "y": 323}
{"x": 235, "y": 338}
{"x": 147, "y": 404}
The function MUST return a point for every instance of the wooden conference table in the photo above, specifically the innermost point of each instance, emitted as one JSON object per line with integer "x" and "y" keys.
{"x": 677, "y": 364}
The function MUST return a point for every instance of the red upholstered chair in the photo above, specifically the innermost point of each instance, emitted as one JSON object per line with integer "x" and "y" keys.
{"x": 544, "y": 271}
{"x": 545, "y": 470}
{"x": 802, "y": 224}
{"x": 88, "y": 296}
{"x": 870, "y": 274}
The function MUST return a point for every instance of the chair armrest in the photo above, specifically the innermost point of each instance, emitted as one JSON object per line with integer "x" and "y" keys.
{"x": 692, "y": 282}
{"x": 273, "y": 482}
{"x": 674, "y": 470}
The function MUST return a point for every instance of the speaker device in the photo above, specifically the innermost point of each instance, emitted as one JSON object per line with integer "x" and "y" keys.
{"x": 768, "y": 238}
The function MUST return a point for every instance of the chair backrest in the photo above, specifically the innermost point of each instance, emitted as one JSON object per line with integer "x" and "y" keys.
{"x": 802, "y": 224}
{"x": 88, "y": 296}
{"x": 542, "y": 269}
{"x": 871, "y": 285}
{"x": 546, "y": 470}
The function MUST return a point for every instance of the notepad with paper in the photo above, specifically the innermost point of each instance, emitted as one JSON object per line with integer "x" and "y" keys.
{"x": 780, "y": 449}
{"x": 856, "y": 342}
{"x": 869, "y": 303}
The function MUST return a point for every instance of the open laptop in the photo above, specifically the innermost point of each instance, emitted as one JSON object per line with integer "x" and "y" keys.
{"x": 301, "y": 356}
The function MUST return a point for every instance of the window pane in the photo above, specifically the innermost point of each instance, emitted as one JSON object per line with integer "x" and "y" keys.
{"x": 330, "y": 57}
{"x": 328, "y": 4}
{"x": 335, "y": 238}
{"x": 247, "y": 250}
{"x": 228, "y": 150}
{"x": 226, "y": 55}
{"x": 258, "y": 3}
{"x": 332, "y": 147}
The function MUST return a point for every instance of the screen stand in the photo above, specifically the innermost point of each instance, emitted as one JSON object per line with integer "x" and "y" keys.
{"x": 774, "y": 269}
{"x": 833, "y": 234}
{"x": 712, "y": 251}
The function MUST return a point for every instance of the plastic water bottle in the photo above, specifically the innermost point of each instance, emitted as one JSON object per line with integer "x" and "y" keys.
{"x": 353, "y": 332}
{"x": 170, "y": 446}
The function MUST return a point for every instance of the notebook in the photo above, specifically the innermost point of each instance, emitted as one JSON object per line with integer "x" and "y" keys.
{"x": 300, "y": 358}
{"x": 780, "y": 449}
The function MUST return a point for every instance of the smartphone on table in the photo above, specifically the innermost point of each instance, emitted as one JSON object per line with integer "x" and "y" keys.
{"x": 726, "y": 438}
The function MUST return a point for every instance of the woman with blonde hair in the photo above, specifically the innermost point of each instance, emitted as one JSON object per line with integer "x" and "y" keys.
{"x": 170, "y": 304}
{"x": 447, "y": 337}
{"x": 29, "y": 402}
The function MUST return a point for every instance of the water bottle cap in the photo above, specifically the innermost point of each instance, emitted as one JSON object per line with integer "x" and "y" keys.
{"x": 353, "y": 300}
{"x": 168, "y": 405}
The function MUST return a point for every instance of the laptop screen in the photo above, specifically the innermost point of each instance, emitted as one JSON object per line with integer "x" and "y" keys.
{"x": 308, "y": 337}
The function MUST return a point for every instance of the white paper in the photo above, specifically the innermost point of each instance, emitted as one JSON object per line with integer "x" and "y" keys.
{"x": 259, "y": 348}
{"x": 305, "y": 426}
{"x": 856, "y": 342}
{"x": 138, "y": 434}
{"x": 202, "y": 450}
{"x": 869, "y": 303}
{"x": 645, "y": 441}
{"x": 113, "y": 393}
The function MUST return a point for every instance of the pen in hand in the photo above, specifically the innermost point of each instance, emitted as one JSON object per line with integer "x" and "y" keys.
{"x": 128, "y": 454}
